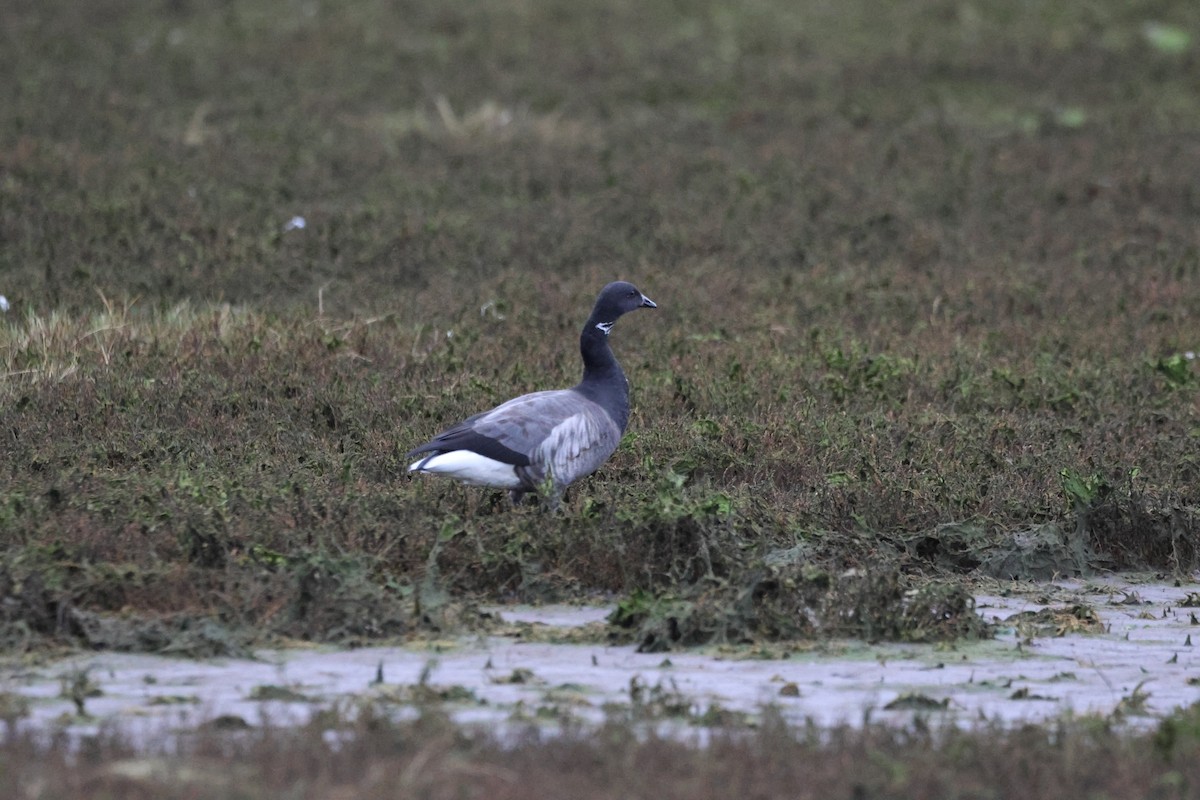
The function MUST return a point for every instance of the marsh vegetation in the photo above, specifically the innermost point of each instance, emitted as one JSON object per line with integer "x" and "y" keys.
{"x": 928, "y": 278}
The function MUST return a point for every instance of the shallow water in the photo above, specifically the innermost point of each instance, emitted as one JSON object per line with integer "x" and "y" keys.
{"x": 1142, "y": 666}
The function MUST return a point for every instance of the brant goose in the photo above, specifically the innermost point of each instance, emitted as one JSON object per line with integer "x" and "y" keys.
{"x": 545, "y": 441}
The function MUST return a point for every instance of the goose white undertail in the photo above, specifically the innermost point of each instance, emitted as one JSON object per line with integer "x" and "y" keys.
{"x": 470, "y": 468}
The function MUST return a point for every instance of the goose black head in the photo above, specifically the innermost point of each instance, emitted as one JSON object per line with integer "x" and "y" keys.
{"x": 618, "y": 298}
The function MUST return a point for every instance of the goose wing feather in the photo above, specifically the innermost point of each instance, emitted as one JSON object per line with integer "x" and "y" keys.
{"x": 534, "y": 429}
{"x": 578, "y": 445}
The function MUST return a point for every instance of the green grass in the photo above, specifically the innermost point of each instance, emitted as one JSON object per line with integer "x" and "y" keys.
{"x": 916, "y": 266}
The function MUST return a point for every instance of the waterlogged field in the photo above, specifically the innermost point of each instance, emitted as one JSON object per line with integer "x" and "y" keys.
{"x": 1116, "y": 652}
{"x": 928, "y": 281}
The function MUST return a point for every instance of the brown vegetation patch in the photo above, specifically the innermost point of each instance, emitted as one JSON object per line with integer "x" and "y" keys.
{"x": 372, "y": 756}
{"x": 796, "y": 602}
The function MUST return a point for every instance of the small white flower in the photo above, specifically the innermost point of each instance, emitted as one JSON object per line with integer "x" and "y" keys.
{"x": 1190, "y": 355}
{"x": 295, "y": 224}
{"x": 4, "y": 306}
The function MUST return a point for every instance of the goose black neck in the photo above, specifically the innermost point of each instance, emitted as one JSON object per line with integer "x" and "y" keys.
{"x": 603, "y": 381}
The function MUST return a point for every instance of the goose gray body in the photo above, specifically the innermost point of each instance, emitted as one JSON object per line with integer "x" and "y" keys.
{"x": 546, "y": 440}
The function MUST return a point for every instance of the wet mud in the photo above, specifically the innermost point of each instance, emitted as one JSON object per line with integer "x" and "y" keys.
{"x": 1118, "y": 649}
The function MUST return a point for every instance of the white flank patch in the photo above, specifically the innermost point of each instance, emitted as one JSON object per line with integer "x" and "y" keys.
{"x": 470, "y": 468}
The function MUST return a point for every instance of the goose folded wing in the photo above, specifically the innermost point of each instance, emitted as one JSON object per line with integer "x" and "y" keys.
{"x": 527, "y": 424}
{"x": 465, "y": 437}
{"x": 514, "y": 431}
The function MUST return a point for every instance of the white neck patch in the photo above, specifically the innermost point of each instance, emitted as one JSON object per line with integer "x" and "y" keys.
{"x": 605, "y": 326}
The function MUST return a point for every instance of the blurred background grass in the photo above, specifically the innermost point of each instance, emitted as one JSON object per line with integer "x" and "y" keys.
{"x": 157, "y": 150}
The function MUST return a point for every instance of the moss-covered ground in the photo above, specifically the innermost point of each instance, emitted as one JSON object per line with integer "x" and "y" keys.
{"x": 928, "y": 276}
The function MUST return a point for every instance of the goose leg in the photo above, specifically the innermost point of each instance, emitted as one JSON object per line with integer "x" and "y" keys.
{"x": 554, "y": 498}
